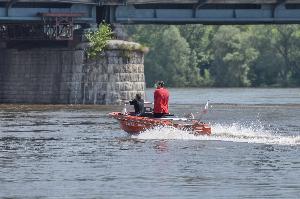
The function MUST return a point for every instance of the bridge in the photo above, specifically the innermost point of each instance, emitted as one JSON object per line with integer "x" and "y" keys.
{"x": 56, "y": 19}
{"x": 43, "y": 57}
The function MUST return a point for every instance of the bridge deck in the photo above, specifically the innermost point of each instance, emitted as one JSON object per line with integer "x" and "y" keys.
{"x": 54, "y": 1}
{"x": 209, "y": 1}
{"x": 122, "y": 2}
{"x": 155, "y": 11}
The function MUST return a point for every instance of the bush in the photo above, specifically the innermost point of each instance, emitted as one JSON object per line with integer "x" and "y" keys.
{"x": 98, "y": 39}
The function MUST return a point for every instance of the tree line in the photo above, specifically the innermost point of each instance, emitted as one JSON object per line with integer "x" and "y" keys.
{"x": 220, "y": 56}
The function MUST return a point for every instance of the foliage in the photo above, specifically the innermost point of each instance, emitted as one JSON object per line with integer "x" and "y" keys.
{"x": 238, "y": 56}
{"x": 232, "y": 57}
{"x": 98, "y": 39}
{"x": 278, "y": 63}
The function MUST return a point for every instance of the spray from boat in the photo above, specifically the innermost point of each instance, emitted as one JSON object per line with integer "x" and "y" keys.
{"x": 223, "y": 132}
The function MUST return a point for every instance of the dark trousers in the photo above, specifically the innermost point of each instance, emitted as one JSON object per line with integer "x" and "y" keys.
{"x": 158, "y": 115}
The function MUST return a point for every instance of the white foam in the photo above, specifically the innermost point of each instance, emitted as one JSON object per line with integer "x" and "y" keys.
{"x": 231, "y": 133}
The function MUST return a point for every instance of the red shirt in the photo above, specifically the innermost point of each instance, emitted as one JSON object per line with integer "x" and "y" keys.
{"x": 161, "y": 100}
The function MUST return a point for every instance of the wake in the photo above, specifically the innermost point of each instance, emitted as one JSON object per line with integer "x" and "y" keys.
{"x": 230, "y": 133}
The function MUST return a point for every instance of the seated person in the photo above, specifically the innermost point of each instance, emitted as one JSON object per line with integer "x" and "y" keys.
{"x": 138, "y": 104}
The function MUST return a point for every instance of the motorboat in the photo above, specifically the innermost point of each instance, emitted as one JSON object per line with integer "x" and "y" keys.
{"x": 133, "y": 124}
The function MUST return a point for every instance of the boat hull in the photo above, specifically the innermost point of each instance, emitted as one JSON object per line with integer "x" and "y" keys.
{"x": 135, "y": 124}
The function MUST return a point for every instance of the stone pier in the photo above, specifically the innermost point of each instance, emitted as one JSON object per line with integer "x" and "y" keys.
{"x": 66, "y": 76}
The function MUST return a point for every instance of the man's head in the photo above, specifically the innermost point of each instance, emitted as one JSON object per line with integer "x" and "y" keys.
{"x": 160, "y": 84}
{"x": 138, "y": 96}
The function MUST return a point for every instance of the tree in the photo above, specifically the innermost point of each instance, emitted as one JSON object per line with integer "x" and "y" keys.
{"x": 285, "y": 39}
{"x": 233, "y": 56}
{"x": 199, "y": 38}
{"x": 150, "y": 36}
{"x": 174, "y": 59}
{"x": 278, "y": 60}
{"x": 199, "y": 55}
{"x": 170, "y": 58}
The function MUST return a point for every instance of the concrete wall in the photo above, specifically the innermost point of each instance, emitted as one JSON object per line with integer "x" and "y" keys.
{"x": 65, "y": 76}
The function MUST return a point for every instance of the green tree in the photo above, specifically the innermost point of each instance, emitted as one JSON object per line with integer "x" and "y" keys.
{"x": 264, "y": 71}
{"x": 150, "y": 36}
{"x": 233, "y": 56}
{"x": 199, "y": 38}
{"x": 260, "y": 55}
{"x": 278, "y": 61}
{"x": 174, "y": 59}
{"x": 170, "y": 58}
{"x": 285, "y": 39}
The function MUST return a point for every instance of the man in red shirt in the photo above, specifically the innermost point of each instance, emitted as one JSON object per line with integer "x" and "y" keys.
{"x": 161, "y": 100}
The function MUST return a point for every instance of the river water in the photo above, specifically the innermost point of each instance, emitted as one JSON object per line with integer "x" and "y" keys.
{"x": 78, "y": 152}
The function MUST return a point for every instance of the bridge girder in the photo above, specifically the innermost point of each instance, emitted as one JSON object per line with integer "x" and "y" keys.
{"x": 41, "y": 20}
{"x": 203, "y": 13}
{"x": 15, "y": 15}
{"x": 156, "y": 11}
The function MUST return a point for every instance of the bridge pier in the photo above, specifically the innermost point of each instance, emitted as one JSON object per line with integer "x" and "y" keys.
{"x": 2, "y": 45}
{"x": 64, "y": 75}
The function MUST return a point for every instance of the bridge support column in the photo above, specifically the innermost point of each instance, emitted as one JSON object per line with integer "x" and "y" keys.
{"x": 2, "y": 45}
{"x": 66, "y": 76}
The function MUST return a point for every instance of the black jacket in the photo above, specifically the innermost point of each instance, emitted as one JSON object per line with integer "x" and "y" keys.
{"x": 138, "y": 106}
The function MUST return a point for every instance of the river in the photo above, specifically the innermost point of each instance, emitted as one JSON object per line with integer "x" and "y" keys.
{"x": 79, "y": 152}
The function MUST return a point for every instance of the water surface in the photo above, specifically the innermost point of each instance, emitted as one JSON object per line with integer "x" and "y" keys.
{"x": 78, "y": 152}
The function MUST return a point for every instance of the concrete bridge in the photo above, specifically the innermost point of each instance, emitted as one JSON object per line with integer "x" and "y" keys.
{"x": 43, "y": 57}
{"x": 208, "y": 11}
{"x": 56, "y": 19}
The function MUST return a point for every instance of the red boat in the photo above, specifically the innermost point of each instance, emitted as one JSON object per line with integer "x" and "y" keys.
{"x": 135, "y": 124}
